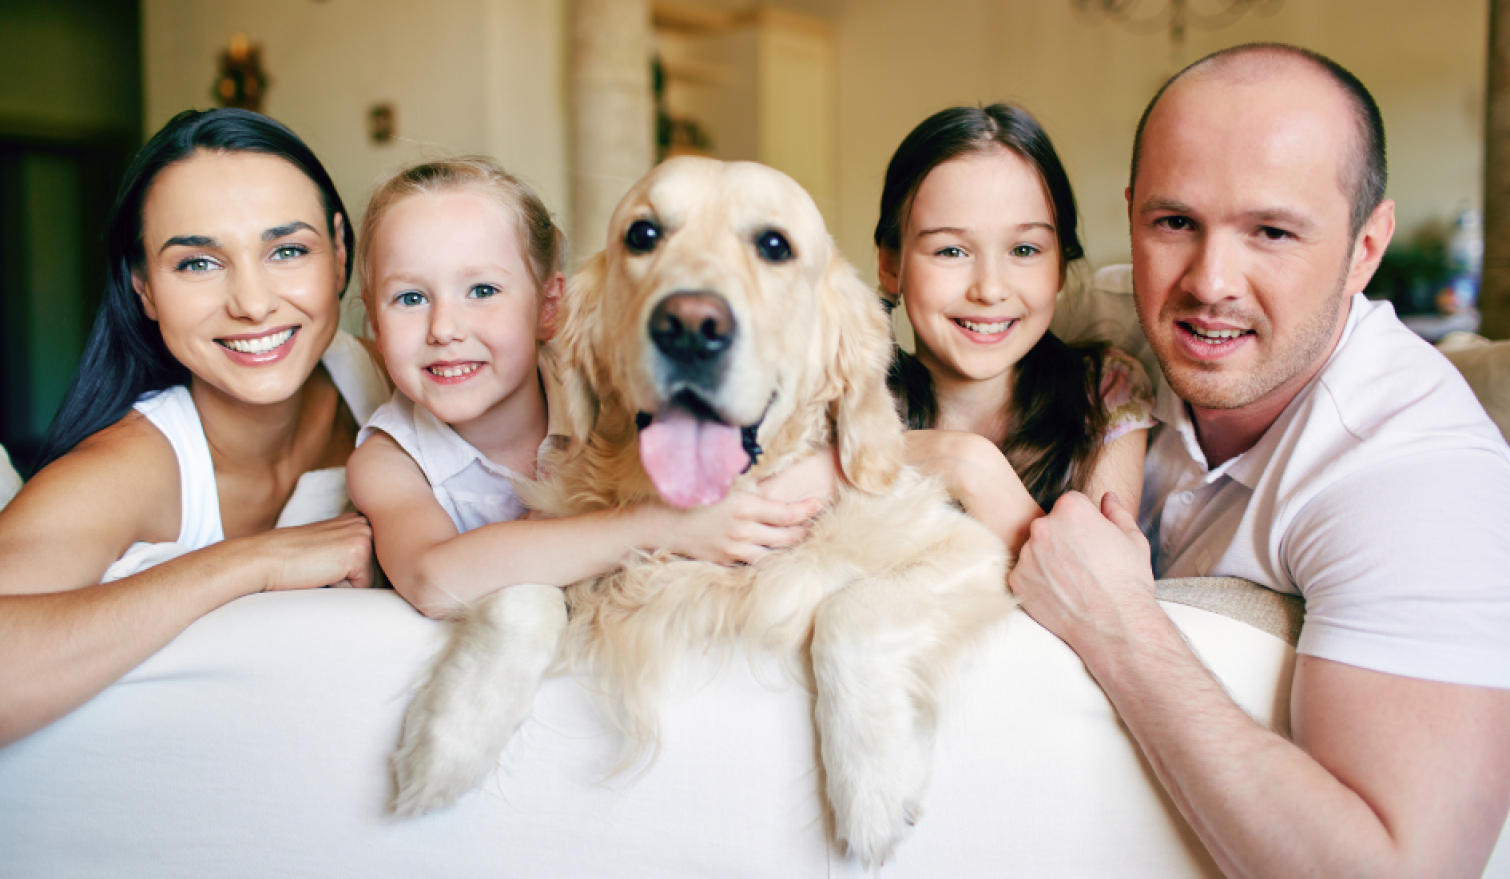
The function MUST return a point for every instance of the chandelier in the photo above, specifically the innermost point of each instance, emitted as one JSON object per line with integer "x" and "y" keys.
{"x": 1175, "y": 17}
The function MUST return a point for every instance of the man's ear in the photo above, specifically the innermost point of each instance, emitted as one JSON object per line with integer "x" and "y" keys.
{"x": 1368, "y": 248}
{"x": 550, "y": 307}
{"x": 144, "y": 293}
{"x": 889, "y": 272}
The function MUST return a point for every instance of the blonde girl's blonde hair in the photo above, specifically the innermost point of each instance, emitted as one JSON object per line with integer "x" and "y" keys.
{"x": 544, "y": 242}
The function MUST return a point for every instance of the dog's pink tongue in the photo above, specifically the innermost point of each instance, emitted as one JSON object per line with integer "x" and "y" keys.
{"x": 692, "y": 462}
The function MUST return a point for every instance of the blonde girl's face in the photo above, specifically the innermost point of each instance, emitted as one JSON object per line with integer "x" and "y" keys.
{"x": 455, "y": 311}
{"x": 241, "y": 273}
{"x": 978, "y": 267}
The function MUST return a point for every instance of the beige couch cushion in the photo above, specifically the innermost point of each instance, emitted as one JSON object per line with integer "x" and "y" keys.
{"x": 1487, "y": 369}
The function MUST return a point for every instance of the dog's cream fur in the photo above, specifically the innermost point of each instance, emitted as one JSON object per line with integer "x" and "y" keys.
{"x": 889, "y": 587}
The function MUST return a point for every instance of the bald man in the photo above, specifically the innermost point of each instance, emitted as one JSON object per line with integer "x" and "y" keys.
{"x": 1311, "y": 443}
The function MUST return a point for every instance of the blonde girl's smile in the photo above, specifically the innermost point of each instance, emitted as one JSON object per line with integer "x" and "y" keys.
{"x": 453, "y": 372}
{"x": 456, "y": 310}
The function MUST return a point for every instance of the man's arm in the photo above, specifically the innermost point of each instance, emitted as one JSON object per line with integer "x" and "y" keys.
{"x": 1386, "y": 776}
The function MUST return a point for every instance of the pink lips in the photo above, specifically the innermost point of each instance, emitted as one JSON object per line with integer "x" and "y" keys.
{"x": 463, "y": 369}
{"x": 1197, "y": 346}
{"x": 259, "y": 358}
{"x": 986, "y": 338}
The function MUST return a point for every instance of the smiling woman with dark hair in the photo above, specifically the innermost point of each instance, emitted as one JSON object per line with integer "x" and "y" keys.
{"x": 199, "y": 455}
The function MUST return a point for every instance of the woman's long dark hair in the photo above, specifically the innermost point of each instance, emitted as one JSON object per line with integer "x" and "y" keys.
{"x": 125, "y": 356}
{"x": 1056, "y": 418}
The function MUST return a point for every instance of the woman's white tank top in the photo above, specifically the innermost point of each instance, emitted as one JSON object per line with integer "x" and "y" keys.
{"x": 319, "y": 494}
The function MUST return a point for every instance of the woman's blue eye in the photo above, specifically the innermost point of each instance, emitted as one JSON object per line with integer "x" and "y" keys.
{"x": 410, "y": 298}
{"x": 483, "y": 291}
{"x": 195, "y": 264}
{"x": 289, "y": 251}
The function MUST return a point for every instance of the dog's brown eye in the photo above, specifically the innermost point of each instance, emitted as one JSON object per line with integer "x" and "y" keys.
{"x": 642, "y": 237}
{"x": 773, "y": 246}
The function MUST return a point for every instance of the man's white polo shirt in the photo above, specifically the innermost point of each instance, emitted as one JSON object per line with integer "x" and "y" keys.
{"x": 1381, "y": 494}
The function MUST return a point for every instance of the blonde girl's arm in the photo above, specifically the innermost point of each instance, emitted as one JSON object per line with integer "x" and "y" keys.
{"x": 63, "y": 636}
{"x": 440, "y": 571}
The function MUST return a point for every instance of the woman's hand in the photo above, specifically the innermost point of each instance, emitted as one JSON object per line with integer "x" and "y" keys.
{"x": 336, "y": 552}
{"x": 978, "y": 475}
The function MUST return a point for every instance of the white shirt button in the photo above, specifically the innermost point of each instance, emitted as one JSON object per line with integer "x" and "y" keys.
{"x": 1187, "y": 496}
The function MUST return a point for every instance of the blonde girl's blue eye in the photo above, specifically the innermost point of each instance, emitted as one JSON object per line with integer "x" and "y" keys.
{"x": 951, "y": 252}
{"x": 410, "y": 298}
{"x": 482, "y": 291}
{"x": 1023, "y": 251}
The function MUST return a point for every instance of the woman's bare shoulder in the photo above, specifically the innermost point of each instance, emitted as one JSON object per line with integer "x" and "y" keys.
{"x": 82, "y": 511}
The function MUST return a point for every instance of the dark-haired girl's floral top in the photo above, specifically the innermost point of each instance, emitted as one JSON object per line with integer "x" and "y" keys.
{"x": 1128, "y": 394}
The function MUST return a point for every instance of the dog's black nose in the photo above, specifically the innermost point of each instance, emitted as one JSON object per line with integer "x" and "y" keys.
{"x": 692, "y": 326}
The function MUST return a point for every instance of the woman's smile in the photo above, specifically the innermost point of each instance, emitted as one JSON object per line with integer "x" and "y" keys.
{"x": 258, "y": 349}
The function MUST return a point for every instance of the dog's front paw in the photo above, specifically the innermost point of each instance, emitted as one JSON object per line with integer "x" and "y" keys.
{"x": 875, "y": 793}
{"x": 480, "y": 692}
{"x": 439, "y": 759}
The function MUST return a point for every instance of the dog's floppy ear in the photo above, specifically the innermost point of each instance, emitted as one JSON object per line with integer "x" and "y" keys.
{"x": 575, "y": 345}
{"x": 866, "y": 425}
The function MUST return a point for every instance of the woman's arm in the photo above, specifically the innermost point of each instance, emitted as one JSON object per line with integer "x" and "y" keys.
{"x": 1120, "y": 469}
{"x": 978, "y": 475}
{"x": 440, "y": 571}
{"x": 63, "y": 638}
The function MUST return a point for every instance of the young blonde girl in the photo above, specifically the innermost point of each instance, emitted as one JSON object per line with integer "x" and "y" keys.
{"x": 976, "y": 234}
{"x": 460, "y": 269}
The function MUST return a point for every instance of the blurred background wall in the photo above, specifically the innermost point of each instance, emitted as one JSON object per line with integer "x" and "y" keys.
{"x": 824, "y": 89}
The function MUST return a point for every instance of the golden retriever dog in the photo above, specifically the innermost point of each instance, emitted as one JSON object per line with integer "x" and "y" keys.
{"x": 719, "y": 339}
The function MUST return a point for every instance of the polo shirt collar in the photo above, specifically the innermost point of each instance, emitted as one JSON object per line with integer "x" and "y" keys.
{"x": 1249, "y": 467}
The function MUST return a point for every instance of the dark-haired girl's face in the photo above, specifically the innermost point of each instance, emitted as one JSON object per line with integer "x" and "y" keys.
{"x": 240, "y": 272}
{"x": 978, "y": 267}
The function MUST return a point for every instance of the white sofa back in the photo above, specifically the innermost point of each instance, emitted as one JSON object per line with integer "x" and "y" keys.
{"x": 256, "y": 744}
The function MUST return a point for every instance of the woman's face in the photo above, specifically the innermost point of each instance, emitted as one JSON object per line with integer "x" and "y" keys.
{"x": 240, "y": 272}
{"x": 978, "y": 266}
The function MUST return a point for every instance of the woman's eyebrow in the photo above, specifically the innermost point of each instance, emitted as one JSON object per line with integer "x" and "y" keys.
{"x": 286, "y": 229}
{"x": 189, "y": 241}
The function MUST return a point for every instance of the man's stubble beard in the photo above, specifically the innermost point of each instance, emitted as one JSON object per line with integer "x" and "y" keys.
{"x": 1225, "y": 390}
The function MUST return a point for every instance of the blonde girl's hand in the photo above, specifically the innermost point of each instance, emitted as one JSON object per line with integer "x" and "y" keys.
{"x": 741, "y": 528}
{"x": 336, "y": 552}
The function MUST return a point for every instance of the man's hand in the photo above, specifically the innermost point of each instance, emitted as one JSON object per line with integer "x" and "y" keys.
{"x": 1085, "y": 573}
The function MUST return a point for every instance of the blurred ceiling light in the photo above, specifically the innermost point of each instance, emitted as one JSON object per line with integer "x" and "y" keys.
{"x": 1174, "y": 16}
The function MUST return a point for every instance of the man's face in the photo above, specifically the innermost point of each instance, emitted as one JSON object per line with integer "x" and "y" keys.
{"x": 1243, "y": 259}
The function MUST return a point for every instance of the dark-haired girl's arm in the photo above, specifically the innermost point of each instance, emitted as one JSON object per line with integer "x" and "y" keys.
{"x": 1119, "y": 470}
{"x": 977, "y": 475}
